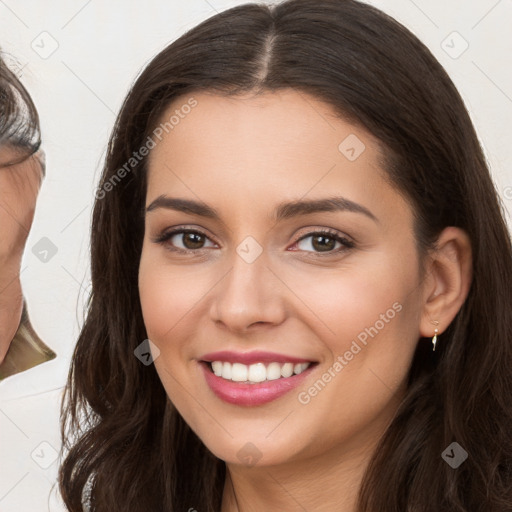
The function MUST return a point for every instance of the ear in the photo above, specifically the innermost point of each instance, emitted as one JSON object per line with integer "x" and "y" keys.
{"x": 448, "y": 279}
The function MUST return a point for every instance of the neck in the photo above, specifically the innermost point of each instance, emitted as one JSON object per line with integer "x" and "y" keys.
{"x": 323, "y": 483}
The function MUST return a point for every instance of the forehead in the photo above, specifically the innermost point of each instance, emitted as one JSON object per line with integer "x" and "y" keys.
{"x": 265, "y": 149}
{"x": 272, "y": 133}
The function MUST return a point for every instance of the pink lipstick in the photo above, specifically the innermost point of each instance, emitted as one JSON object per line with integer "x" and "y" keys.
{"x": 253, "y": 378}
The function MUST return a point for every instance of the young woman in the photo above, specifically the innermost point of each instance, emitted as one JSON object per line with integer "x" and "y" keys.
{"x": 297, "y": 226}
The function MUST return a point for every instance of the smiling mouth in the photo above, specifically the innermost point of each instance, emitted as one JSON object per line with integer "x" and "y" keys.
{"x": 255, "y": 373}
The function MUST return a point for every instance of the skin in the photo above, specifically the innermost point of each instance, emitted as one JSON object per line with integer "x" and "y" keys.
{"x": 19, "y": 186}
{"x": 243, "y": 156}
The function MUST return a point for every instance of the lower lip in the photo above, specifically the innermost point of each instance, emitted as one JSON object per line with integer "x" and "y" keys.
{"x": 240, "y": 393}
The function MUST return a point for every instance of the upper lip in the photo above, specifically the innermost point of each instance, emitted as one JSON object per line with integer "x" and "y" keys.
{"x": 256, "y": 356}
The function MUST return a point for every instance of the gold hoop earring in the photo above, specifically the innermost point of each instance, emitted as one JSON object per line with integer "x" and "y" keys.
{"x": 434, "y": 340}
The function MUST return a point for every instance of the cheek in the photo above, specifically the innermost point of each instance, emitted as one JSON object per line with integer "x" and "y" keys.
{"x": 349, "y": 301}
{"x": 372, "y": 318}
{"x": 367, "y": 320}
{"x": 14, "y": 231}
{"x": 163, "y": 301}
{"x": 170, "y": 295}
{"x": 338, "y": 304}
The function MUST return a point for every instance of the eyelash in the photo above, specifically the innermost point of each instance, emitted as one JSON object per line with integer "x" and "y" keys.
{"x": 346, "y": 243}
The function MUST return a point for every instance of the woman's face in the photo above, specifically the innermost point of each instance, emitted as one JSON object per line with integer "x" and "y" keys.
{"x": 259, "y": 289}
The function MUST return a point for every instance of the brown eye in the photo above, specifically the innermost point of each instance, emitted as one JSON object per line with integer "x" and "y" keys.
{"x": 183, "y": 240}
{"x": 192, "y": 240}
{"x": 324, "y": 242}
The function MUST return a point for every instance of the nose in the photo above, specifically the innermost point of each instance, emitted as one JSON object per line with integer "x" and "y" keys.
{"x": 249, "y": 297}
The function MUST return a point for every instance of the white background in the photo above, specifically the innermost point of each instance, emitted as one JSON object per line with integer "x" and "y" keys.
{"x": 79, "y": 89}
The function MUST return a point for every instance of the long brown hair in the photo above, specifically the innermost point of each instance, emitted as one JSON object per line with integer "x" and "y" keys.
{"x": 121, "y": 430}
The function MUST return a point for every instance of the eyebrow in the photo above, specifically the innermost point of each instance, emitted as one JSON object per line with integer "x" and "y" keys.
{"x": 283, "y": 211}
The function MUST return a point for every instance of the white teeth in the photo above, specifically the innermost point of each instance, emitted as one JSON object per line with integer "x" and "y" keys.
{"x": 257, "y": 372}
{"x": 226, "y": 371}
{"x": 217, "y": 368}
{"x": 238, "y": 372}
{"x": 273, "y": 371}
{"x": 287, "y": 370}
